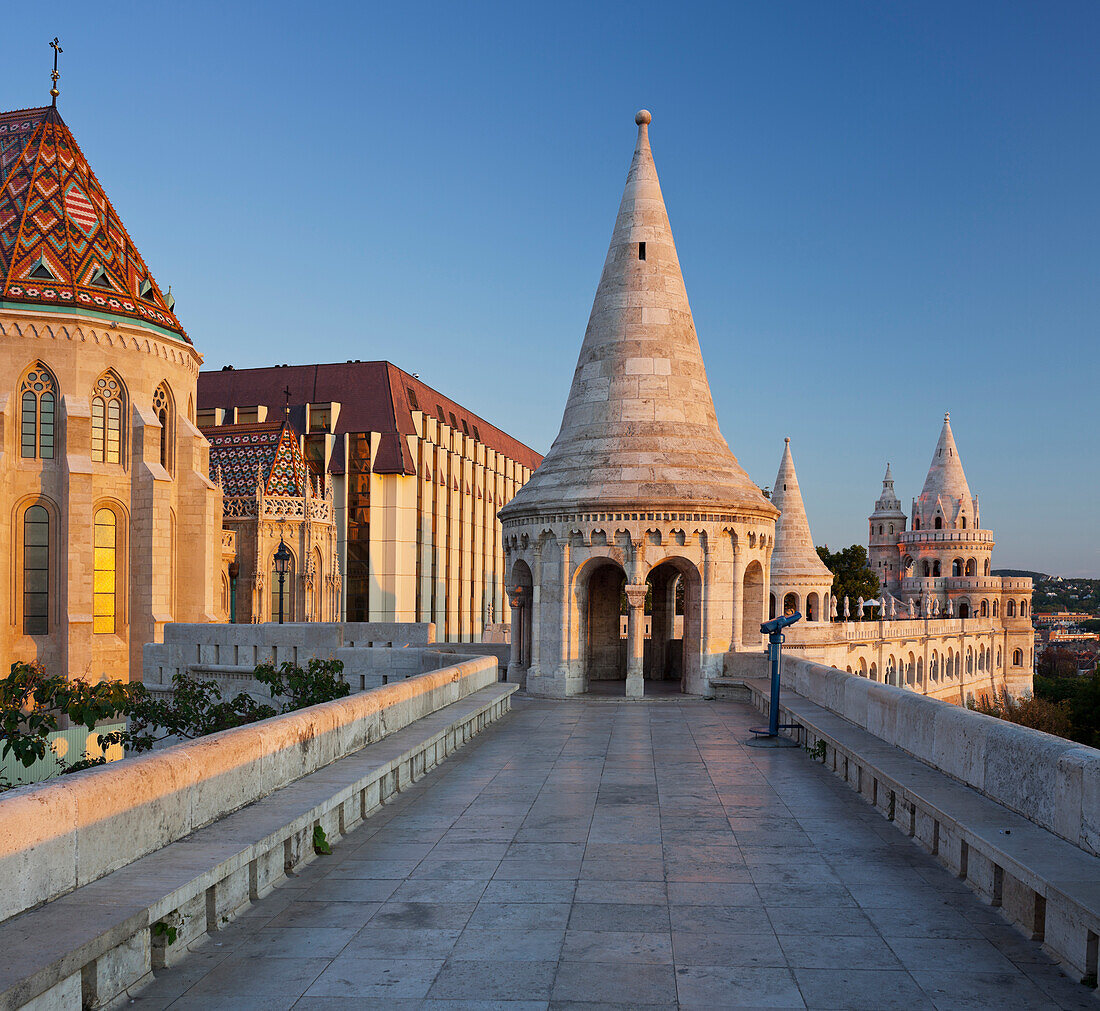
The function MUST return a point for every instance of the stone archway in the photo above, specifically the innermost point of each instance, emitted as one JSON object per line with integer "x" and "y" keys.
{"x": 752, "y": 604}
{"x": 604, "y": 658}
{"x": 520, "y": 595}
{"x": 672, "y": 655}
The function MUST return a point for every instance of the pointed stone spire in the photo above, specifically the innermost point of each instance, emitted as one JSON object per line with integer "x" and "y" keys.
{"x": 794, "y": 554}
{"x": 946, "y": 484}
{"x": 640, "y": 429}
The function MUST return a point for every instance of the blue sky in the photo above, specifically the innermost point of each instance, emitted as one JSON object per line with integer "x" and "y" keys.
{"x": 883, "y": 211}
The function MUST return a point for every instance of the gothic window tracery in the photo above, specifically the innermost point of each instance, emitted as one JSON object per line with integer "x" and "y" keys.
{"x": 162, "y": 408}
{"x": 38, "y": 401}
{"x": 107, "y": 413}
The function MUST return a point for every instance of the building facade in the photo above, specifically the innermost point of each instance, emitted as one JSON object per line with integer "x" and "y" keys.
{"x": 638, "y": 492}
{"x": 415, "y": 481}
{"x": 111, "y": 526}
{"x": 272, "y": 497}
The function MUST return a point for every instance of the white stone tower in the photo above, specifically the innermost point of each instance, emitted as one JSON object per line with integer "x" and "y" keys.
{"x": 887, "y": 526}
{"x": 639, "y": 490}
{"x": 799, "y": 578}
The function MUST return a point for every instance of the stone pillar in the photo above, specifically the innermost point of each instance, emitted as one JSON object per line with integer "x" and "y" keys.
{"x": 565, "y": 630}
{"x": 515, "y": 659}
{"x": 635, "y": 639}
{"x": 738, "y": 595}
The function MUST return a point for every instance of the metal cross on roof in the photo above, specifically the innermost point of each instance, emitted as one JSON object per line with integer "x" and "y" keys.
{"x": 56, "y": 47}
{"x": 287, "y": 392}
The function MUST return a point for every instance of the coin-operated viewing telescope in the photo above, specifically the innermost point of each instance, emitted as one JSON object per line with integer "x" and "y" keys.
{"x": 770, "y": 737}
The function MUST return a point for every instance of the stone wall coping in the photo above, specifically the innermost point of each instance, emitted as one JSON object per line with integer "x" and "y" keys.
{"x": 1044, "y": 884}
{"x": 1052, "y": 782}
{"x": 92, "y": 945}
{"x": 66, "y": 833}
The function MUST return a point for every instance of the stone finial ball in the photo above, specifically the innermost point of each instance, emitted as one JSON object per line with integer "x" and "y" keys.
{"x": 643, "y": 116}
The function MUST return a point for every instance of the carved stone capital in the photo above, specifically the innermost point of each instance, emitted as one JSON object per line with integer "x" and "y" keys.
{"x": 635, "y": 594}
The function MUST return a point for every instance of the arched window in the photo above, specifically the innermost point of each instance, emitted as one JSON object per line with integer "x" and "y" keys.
{"x": 1010, "y": 610}
{"x": 891, "y": 528}
{"x": 957, "y": 567}
{"x": 790, "y": 602}
{"x": 103, "y": 602}
{"x": 985, "y": 609}
{"x": 936, "y": 568}
{"x": 939, "y": 523}
{"x": 964, "y": 610}
{"x": 925, "y": 568}
{"x": 962, "y": 522}
{"x": 999, "y": 657}
{"x": 986, "y": 569}
{"x": 1017, "y": 658}
{"x": 971, "y": 567}
{"x": 38, "y": 404}
{"x": 36, "y": 570}
{"x": 771, "y": 606}
{"x": 995, "y": 613}
{"x": 162, "y": 408}
{"x": 107, "y": 414}
{"x": 880, "y": 528}
{"x": 1023, "y": 608}
{"x": 873, "y": 672}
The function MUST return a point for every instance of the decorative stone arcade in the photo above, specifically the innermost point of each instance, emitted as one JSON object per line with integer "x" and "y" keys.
{"x": 639, "y": 490}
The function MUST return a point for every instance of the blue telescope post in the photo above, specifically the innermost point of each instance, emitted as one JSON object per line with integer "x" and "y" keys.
{"x": 770, "y": 737}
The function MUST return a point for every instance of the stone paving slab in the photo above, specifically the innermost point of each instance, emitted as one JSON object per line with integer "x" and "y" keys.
{"x": 615, "y": 855}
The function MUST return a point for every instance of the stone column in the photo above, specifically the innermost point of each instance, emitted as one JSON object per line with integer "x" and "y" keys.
{"x": 738, "y": 595}
{"x": 565, "y": 629}
{"x": 635, "y": 639}
{"x": 515, "y": 659}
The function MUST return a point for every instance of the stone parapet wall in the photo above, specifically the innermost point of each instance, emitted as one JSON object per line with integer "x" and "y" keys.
{"x": 61, "y": 835}
{"x": 1052, "y": 782}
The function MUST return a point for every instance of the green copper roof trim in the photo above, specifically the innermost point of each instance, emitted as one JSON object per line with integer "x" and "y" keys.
{"x": 38, "y": 307}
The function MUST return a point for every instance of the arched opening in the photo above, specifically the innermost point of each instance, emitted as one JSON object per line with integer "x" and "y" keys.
{"x": 752, "y": 604}
{"x": 813, "y": 607}
{"x": 36, "y": 570}
{"x": 936, "y": 568}
{"x": 985, "y": 570}
{"x": 926, "y": 569}
{"x": 107, "y": 419}
{"x": 957, "y": 567}
{"x": 103, "y": 597}
{"x": 873, "y": 672}
{"x": 603, "y": 606}
{"x": 971, "y": 567}
{"x": 318, "y": 576}
{"x": 939, "y": 523}
{"x": 771, "y": 606}
{"x": 163, "y": 409}
{"x": 964, "y": 609}
{"x": 790, "y": 603}
{"x": 984, "y": 609}
{"x": 1017, "y": 658}
{"x": 994, "y": 609}
{"x": 38, "y": 413}
{"x": 1023, "y": 608}
{"x": 1010, "y": 610}
{"x": 520, "y": 597}
{"x": 672, "y": 654}
{"x": 962, "y": 522}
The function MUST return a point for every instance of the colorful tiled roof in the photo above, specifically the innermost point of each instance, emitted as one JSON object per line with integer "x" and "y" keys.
{"x": 243, "y": 454}
{"x": 374, "y": 397}
{"x": 62, "y": 244}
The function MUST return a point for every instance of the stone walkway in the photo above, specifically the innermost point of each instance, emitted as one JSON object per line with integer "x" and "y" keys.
{"x": 617, "y": 854}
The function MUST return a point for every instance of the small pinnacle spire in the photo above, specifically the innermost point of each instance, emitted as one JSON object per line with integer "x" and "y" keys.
{"x": 787, "y": 440}
{"x": 946, "y": 416}
{"x": 56, "y": 47}
{"x": 643, "y": 117}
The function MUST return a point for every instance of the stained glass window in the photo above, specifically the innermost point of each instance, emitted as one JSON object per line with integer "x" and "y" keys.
{"x": 38, "y": 401}
{"x": 107, "y": 419}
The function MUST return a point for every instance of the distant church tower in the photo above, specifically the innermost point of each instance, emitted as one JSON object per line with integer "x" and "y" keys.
{"x": 639, "y": 492}
{"x": 887, "y": 526}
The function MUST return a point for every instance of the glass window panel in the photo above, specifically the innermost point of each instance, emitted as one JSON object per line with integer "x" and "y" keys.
{"x": 46, "y": 434}
{"x": 114, "y": 431}
{"x": 30, "y": 424}
{"x": 36, "y": 560}
{"x": 98, "y": 425}
{"x": 103, "y": 612}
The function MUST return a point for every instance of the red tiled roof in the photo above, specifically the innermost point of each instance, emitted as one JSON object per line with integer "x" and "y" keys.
{"x": 374, "y": 397}
{"x": 62, "y": 244}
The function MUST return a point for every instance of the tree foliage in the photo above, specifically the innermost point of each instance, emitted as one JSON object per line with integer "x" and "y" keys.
{"x": 32, "y": 704}
{"x": 851, "y": 576}
{"x": 1067, "y": 707}
{"x": 1030, "y": 711}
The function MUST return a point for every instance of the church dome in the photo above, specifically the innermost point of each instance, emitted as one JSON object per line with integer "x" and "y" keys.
{"x": 639, "y": 429}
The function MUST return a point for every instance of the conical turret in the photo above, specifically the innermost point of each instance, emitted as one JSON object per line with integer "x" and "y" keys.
{"x": 794, "y": 554}
{"x": 946, "y": 491}
{"x": 639, "y": 429}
